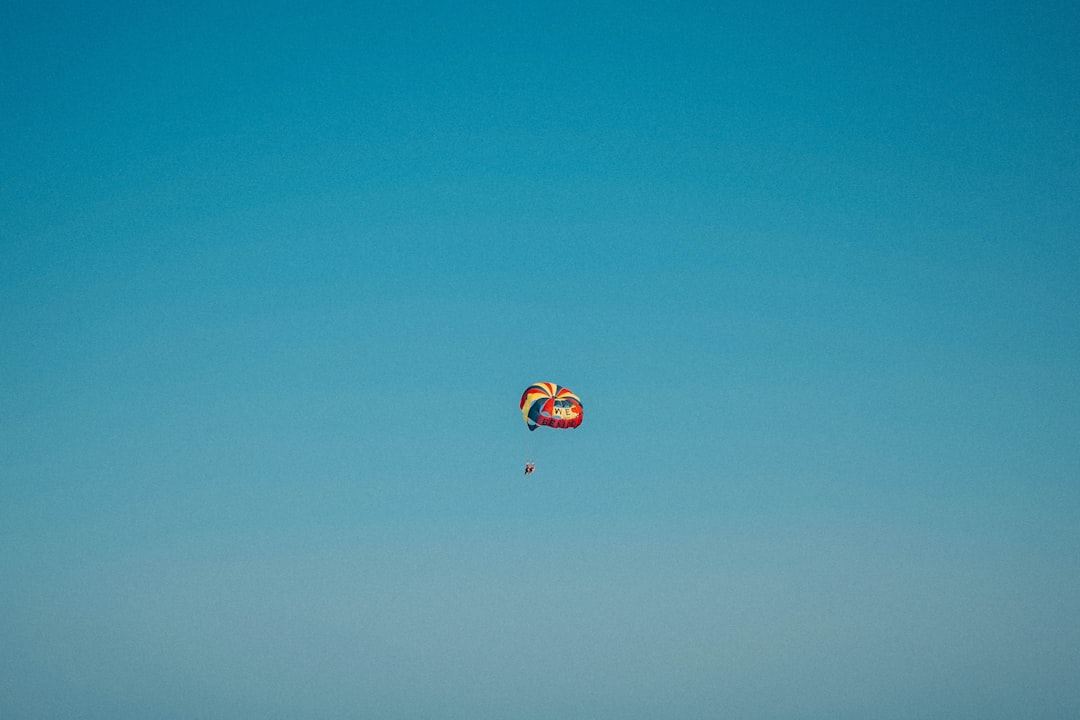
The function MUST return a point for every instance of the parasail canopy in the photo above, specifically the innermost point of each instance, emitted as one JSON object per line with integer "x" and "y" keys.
{"x": 545, "y": 403}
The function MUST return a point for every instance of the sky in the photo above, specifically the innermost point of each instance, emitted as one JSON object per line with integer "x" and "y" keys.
{"x": 273, "y": 278}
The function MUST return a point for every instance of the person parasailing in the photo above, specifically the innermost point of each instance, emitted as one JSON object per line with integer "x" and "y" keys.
{"x": 549, "y": 405}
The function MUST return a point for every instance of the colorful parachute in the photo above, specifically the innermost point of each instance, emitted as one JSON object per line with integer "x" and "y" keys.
{"x": 548, "y": 404}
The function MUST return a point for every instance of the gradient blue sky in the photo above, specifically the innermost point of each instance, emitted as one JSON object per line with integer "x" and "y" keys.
{"x": 273, "y": 278}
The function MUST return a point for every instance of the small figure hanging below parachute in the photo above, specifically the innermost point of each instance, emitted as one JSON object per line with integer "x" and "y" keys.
{"x": 550, "y": 405}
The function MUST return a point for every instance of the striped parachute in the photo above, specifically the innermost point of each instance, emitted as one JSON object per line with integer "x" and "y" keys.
{"x": 546, "y": 403}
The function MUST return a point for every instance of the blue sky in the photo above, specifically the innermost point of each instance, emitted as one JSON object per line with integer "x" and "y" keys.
{"x": 273, "y": 279}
